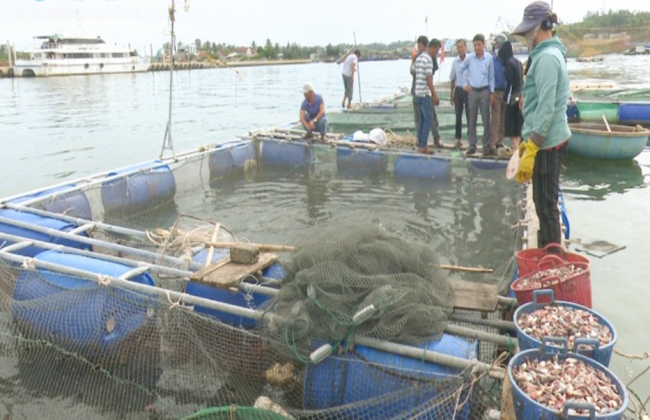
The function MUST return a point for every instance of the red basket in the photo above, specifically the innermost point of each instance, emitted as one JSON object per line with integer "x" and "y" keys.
{"x": 576, "y": 289}
{"x": 528, "y": 259}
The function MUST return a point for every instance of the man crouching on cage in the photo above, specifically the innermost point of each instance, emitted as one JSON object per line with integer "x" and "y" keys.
{"x": 546, "y": 94}
{"x": 312, "y": 114}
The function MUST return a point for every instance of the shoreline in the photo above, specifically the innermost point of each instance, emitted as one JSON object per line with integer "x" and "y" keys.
{"x": 266, "y": 63}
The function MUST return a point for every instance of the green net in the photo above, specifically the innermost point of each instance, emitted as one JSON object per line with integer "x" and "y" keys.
{"x": 349, "y": 281}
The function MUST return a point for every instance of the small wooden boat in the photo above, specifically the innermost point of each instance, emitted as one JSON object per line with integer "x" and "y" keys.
{"x": 596, "y": 141}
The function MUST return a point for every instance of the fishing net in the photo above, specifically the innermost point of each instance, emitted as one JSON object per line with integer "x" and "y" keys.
{"x": 350, "y": 281}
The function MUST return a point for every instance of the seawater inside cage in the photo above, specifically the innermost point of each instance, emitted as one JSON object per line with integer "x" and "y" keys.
{"x": 183, "y": 361}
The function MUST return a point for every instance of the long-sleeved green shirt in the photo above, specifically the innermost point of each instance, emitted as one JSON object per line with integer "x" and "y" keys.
{"x": 546, "y": 95}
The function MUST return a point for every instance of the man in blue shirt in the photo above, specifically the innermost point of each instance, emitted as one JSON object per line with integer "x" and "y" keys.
{"x": 498, "y": 111}
{"x": 458, "y": 97}
{"x": 480, "y": 87}
{"x": 312, "y": 113}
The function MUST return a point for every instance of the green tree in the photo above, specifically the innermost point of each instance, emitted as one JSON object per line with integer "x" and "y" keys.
{"x": 253, "y": 45}
{"x": 197, "y": 42}
{"x": 207, "y": 46}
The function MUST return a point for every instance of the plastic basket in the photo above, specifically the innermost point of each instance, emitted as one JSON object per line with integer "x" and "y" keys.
{"x": 528, "y": 259}
{"x": 526, "y": 408}
{"x": 601, "y": 354}
{"x": 575, "y": 289}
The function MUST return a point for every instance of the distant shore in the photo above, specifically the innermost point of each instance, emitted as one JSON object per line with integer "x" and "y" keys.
{"x": 265, "y": 63}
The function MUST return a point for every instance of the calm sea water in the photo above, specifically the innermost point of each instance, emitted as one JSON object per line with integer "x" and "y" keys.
{"x": 58, "y": 129}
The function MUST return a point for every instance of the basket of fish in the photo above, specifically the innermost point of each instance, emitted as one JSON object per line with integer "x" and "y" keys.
{"x": 571, "y": 282}
{"x": 527, "y": 259}
{"x": 554, "y": 386}
{"x": 585, "y": 330}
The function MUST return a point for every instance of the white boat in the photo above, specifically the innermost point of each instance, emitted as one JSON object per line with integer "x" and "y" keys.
{"x": 63, "y": 56}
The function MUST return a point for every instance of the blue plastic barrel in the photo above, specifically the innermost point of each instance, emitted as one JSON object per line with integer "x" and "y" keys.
{"x": 229, "y": 160}
{"x": 80, "y": 314}
{"x": 359, "y": 163}
{"x": 634, "y": 113}
{"x": 602, "y": 354}
{"x": 292, "y": 154}
{"x": 487, "y": 164}
{"x": 364, "y": 374}
{"x": 138, "y": 191}
{"x": 74, "y": 204}
{"x": 240, "y": 298}
{"x": 421, "y": 166}
{"x": 40, "y": 221}
{"x": 526, "y": 408}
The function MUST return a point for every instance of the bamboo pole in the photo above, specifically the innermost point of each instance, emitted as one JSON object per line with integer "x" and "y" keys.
{"x": 215, "y": 234}
{"x": 467, "y": 269}
{"x": 358, "y": 69}
{"x": 261, "y": 247}
{"x": 481, "y": 335}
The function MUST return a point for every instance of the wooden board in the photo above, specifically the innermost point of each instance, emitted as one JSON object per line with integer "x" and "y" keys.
{"x": 231, "y": 274}
{"x": 475, "y": 296}
{"x": 507, "y": 403}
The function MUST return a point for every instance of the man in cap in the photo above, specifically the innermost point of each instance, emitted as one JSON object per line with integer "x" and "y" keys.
{"x": 546, "y": 94}
{"x": 498, "y": 109}
{"x": 349, "y": 68}
{"x": 312, "y": 113}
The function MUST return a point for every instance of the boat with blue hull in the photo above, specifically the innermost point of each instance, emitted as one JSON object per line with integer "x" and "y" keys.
{"x": 599, "y": 141}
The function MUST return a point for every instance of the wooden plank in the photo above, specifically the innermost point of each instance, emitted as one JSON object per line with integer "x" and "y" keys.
{"x": 232, "y": 274}
{"x": 197, "y": 276}
{"x": 507, "y": 403}
{"x": 475, "y": 296}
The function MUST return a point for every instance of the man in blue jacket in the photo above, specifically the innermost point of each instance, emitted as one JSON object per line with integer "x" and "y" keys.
{"x": 546, "y": 94}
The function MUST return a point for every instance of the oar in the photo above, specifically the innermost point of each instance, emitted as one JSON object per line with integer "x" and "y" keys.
{"x": 607, "y": 124}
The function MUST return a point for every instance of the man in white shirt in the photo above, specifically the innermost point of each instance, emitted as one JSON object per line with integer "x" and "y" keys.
{"x": 349, "y": 68}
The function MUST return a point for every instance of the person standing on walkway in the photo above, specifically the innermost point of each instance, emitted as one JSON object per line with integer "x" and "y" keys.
{"x": 423, "y": 94}
{"x": 480, "y": 88}
{"x": 425, "y": 45}
{"x": 514, "y": 120}
{"x": 498, "y": 111}
{"x": 349, "y": 68}
{"x": 458, "y": 95}
{"x": 546, "y": 94}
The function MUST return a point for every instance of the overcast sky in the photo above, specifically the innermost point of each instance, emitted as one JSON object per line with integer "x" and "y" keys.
{"x": 141, "y": 22}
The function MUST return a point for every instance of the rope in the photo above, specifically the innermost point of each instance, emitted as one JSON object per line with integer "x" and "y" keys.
{"x": 29, "y": 264}
{"x": 179, "y": 302}
{"x": 103, "y": 280}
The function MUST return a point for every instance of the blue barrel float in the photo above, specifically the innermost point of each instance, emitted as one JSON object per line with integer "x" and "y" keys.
{"x": 487, "y": 164}
{"x": 526, "y": 408}
{"x": 421, "y": 166}
{"x": 74, "y": 204}
{"x": 360, "y": 380}
{"x": 572, "y": 113}
{"x": 358, "y": 163}
{"x": 289, "y": 154}
{"x": 42, "y": 222}
{"x": 141, "y": 190}
{"x": 229, "y": 160}
{"x": 601, "y": 354}
{"x": 78, "y": 314}
{"x": 634, "y": 113}
{"x": 240, "y": 298}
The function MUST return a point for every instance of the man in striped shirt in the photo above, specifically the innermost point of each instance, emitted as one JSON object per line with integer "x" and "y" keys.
{"x": 424, "y": 95}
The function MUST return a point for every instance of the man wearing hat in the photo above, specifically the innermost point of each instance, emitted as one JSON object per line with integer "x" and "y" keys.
{"x": 312, "y": 113}
{"x": 546, "y": 94}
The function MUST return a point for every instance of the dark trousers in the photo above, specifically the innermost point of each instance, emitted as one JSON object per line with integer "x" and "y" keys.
{"x": 460, "y": 104}
{"x": 546, "y": 187}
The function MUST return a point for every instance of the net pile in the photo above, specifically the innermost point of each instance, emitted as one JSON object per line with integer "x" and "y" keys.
{"x": 346, "y": 271}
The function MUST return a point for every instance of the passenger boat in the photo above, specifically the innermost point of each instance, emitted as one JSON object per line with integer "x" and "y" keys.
{"x": 597, "y": 141}
{"x": 65, "y": 56}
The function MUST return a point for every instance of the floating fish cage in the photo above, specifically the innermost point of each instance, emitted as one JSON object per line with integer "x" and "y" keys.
{"x": 106, "y": 294}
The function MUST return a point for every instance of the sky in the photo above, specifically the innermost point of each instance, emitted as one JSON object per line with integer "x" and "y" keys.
{"x": 144, "y": 22}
